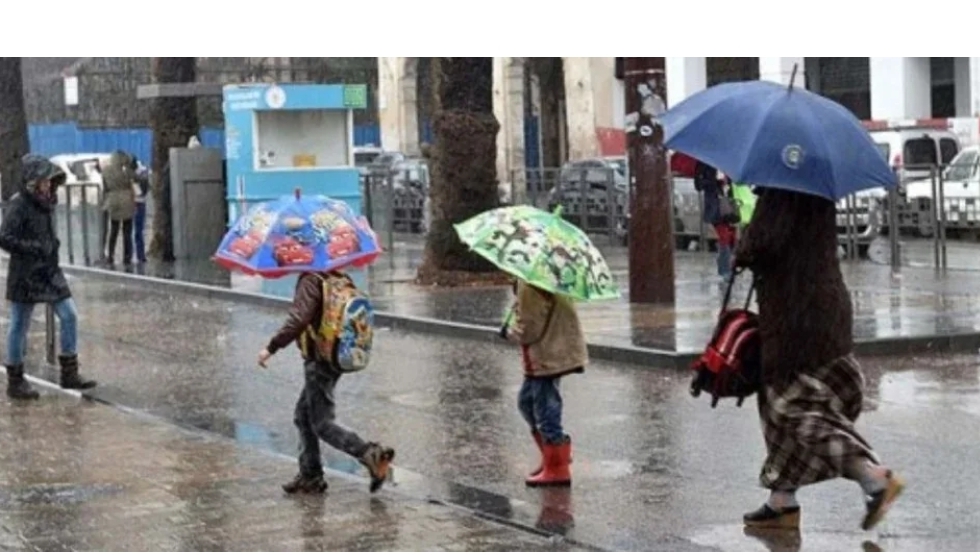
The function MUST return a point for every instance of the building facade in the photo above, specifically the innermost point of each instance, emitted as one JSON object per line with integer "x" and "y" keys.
{"x": 577, "y": 104}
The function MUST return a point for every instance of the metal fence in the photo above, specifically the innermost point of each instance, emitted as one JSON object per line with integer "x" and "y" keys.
{"x": 594, "y": 199}
{"x": 81, "y": 223}
{"x": 934, "y": 208}
{"x": 396, "y": 201}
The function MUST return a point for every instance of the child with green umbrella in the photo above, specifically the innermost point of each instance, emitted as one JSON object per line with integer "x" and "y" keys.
{"x": 555, "y": 264}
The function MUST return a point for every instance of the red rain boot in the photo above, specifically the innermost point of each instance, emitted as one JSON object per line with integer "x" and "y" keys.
{"x": 556, "y": 471}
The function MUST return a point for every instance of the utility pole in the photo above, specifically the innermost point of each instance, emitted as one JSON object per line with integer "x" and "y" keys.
{"x": 651, "y": 234}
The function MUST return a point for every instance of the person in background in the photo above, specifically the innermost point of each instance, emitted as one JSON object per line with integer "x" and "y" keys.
{"x": 717, "y": 212}
{"x": 120, "y": 203}
{"x": 142, "y": 190}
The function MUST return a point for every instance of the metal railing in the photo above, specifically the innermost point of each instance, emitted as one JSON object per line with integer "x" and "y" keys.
{"x": 81, "y": 214}
{"x": 934, "y": 202}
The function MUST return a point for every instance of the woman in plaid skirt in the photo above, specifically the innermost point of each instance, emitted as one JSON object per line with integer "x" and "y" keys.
{"x": 812, "y": 385}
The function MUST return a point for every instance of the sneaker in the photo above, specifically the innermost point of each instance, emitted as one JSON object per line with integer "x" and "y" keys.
{"x": 767, "y": 517}
{"x": 305, "y": 484}
{"x": 377, "y": 459}
{"x": 880, "y": 502}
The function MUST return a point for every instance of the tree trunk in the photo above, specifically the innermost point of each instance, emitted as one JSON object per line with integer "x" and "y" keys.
{"x": 174, "y": 122}
{"x": 14, "y": 141}
{"x": 464, "y": 165}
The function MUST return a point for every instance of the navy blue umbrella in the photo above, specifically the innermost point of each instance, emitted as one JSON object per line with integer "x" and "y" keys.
{"x": 771, "y": 135}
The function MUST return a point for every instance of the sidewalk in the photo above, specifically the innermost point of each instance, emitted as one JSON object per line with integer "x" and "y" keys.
{"x": 918, "y": 311}
{"x": 76, "y": 475}
{"x": 654, "y": 469}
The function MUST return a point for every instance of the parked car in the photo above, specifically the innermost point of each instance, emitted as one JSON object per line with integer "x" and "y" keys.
{"x": 593, "y": 177}
{"x": 364, "y": 156}
{"x": 912, "y": 151}
{"x": 961, "y": 195}
{"x": 596, "y": 174}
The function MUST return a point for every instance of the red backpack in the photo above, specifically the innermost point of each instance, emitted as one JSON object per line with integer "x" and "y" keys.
{"x": 731, "y": 365}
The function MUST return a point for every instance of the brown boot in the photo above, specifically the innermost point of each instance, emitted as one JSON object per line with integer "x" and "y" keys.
{"x": 556, "y": 471}
{"x": 305, "y": 484}
{"x": 17, "y": 385}
{"x": 377, "y": 460}
{"x": 880, "y": 502}
{"x": 69, "y": 374}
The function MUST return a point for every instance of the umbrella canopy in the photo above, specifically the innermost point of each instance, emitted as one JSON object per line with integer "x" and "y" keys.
{"x": 771, "y": 135}
{"x": 542, "y": 249}
{"x": 298, "y": 234}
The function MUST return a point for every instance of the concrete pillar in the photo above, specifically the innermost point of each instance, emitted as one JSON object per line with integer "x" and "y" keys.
{"x": 619, "y": 104}
{"x": 966, "y": 76}
{"x": 685, "y": 76}
{"x": 901, "y": 88}
{"x": 508, "y": 108}
{"x": 397, "y": 105}
{"x": 580, "y": 109}
{"x": 780, "y": 70}
{"x": 603, "y": 79}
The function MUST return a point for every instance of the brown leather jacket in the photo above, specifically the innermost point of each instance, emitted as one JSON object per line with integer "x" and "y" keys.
{"x": 307, "y": 304}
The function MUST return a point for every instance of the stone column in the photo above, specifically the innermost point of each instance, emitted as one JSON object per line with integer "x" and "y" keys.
{"x": 685, "y": 76}
{"x": 580, "y": 110}
{"x": 966, "y": 75}
{"x": 901, "y": 88}
{"x": 508, "y": 108}
{"x": 397, "y": 105}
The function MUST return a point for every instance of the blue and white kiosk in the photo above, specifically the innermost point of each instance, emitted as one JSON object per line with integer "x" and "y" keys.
{"x": 282, "y": 136}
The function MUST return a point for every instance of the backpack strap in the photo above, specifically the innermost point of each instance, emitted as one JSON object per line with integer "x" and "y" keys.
{"x": 731, "y": 284}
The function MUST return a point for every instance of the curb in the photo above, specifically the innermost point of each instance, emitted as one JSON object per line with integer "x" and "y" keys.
{"x": 641, "y": 356}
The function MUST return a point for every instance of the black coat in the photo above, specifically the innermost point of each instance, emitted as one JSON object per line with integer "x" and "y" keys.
{"x": 27, "y": 233}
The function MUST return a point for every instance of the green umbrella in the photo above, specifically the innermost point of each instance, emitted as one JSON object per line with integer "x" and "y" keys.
{"x": 542, "y": 249}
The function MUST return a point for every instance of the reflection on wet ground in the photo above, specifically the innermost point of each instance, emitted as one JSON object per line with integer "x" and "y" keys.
{"x": 919, "y": 303}
{"x": 654, "y": 468}
{"x": 77, "y": 476}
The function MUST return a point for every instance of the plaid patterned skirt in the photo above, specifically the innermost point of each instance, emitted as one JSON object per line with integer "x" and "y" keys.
{"x": 809, "y": 426}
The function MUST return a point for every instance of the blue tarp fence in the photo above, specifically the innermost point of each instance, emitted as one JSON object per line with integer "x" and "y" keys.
{"x": 64, "y": 138}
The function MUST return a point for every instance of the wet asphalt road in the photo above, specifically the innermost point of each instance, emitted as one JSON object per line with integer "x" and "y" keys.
{"x": 654, "y": 468}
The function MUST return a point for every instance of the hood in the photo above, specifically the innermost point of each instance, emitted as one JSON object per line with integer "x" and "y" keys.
{"x": 37, "y": 168}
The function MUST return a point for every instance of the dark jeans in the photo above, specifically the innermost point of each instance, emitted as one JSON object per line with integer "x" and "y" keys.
{"x": 540, "y": 404}
{"x": 314, "y": 418}
{"x": 139, "y": 226}
{"x": 127, "y": 237}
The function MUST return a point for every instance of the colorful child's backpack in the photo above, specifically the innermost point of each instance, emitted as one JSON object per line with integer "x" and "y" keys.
{"x": 346, "y": 330}
{"x": 731, "y": 365}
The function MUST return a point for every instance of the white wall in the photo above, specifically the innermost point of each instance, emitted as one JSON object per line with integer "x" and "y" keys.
{"x": 780, "y": 70}
{"x": 685, "y": 76}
